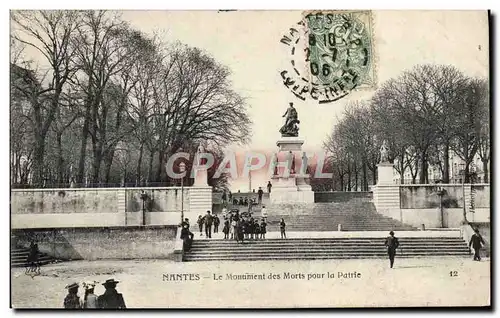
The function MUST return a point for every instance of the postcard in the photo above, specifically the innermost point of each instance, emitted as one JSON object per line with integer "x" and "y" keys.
{"x": 249, "y": 159}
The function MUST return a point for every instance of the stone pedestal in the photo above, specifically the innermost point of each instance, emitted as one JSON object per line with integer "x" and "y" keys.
{"x": 385, "y": 173}
{"x": 201, "y": 178}
{"x": 292, "y": 188}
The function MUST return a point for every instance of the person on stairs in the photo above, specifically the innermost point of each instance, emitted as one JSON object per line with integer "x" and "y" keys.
{"x": 282, "y": 228}
{"x": 208, "y": 220}
{"x": 216, "y": 223}
{"x": 263, "y": 226}
{"x": 225, "y": 229}
{"x": 200, "y": 224}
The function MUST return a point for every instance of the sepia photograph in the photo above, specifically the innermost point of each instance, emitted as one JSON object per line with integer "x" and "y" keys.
{"x": 267, "y": 159}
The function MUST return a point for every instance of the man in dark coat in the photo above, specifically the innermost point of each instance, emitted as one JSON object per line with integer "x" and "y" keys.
{"x": 476, "y": 241}
{"x": 260, "y": 193}
{"x": 186, "y": 237}
{"x": 111, "y": 299}
{"x": 72, "y": 301}
{"x": 216, "y": 223}
{"x": 208, "y": 224}
{"x": 392, "y": 244}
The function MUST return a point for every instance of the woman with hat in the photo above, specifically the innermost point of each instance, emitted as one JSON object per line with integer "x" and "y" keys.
{"x": 90, "y": 299}
{"x": 72, "y": 301}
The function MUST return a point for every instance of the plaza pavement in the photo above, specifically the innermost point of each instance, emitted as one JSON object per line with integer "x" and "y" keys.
{"x": 413, "y": 282}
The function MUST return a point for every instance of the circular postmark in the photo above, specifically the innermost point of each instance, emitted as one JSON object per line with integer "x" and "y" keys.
{"x": 331, "y": 55}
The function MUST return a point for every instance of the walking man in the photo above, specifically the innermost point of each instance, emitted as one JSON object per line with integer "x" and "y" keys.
{"x": 208, "y": 224}
{"x": 260, "y": 193}
{"x": 392, "y": 244}
{"x": 476, "y": 241}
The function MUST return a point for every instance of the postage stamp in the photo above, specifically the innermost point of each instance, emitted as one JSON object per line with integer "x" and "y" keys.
{"x": 332, "y": 53}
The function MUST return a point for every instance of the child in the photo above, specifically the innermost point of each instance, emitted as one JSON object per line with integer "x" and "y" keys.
{"x": 226, "y": 230}
{"x": 233, "y": 228}
{"x": 263, "y": 229}
{"x": 256, "y": 229}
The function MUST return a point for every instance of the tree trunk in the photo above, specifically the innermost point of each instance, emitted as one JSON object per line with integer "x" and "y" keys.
{"x": 341, "y": 182}
{"x": 108, "y": 162}
{"x": 38, "y": 159}
{"x": 160, "y": 166}
{"x": 150, "y": 165}
{"x": 446, "y": 168}
{"x": 356, "y": 176}
{"x": 139, "y": 165}
{"x": 60, "y": 159}
{"x": 374, "y": 176}
{"x": 96, "y": 163}
{"x": 365, "y": 177}
{"x": 423, "y": 167}
{"x": 83, "y": 149}
{"x": 466, "y": 172}
{"x": 485, "y": 171}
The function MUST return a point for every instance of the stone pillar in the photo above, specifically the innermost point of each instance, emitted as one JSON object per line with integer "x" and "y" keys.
{"x": 386, "y": 196}
{"x": 385, "y": 173}
{"x": 121, "y": 205}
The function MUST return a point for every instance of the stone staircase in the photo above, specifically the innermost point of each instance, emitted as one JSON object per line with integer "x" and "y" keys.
{"x": 353, "y": 215}
{"x": 18, "y": 257}
{"x": 323, "y": 248}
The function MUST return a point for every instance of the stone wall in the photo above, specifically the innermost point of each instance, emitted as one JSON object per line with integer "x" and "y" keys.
{"x": 101, "y": 242}
{"x": 61, "y": 208}
{"x": 341, "y": 196}
{"x": 420, "y": 204}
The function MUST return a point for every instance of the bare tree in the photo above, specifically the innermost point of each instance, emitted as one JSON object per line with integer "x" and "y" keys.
{"x": 50, "y": 33}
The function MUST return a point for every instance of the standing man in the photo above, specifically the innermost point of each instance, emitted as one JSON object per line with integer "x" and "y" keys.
{"x": 208, "y": 224}
{"x": 111, "y": 298}
{"x": 260, "y": 193}
{"x": 476, "y": 241}
{"x": 392, "y": 244}
{"x": 269, "y": 186}
{"x": 224, "y": 198}
{"x": 216, "y": 223}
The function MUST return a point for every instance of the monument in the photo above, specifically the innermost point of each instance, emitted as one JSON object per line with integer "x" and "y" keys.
{"x": 385, "y": 168}
{"x": 201, "y": 174}
{"x": 290, "y": 184}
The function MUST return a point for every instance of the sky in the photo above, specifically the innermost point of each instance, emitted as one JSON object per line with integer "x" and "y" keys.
{"x": 248, "y": 42}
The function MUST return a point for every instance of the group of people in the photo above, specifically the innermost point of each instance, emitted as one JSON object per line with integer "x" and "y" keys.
{"x": 240, "y": 228}
{"x": 207, "y": 221}
{"x": 110, "y": 299}
{"x": 227, "y": 197}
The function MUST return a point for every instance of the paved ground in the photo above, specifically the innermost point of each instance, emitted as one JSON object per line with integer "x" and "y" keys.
{"x": 147, "y": 283}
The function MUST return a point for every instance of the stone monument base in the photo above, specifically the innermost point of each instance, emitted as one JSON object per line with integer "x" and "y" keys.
{"x": 385, "y": 173}
{"x": 293, "y": 189}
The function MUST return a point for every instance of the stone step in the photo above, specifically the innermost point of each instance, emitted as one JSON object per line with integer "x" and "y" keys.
{"x": 313, "y": 257}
